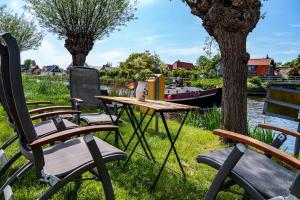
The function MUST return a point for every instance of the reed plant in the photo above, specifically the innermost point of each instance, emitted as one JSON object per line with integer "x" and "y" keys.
{"x": 260, "y": 134}
{"x": 209, "y": 119}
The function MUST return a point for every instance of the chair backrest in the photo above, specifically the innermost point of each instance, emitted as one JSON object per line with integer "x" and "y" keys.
{"x": 283, "y": 102}
{"x": 4, "y": 60}
{"x": 85, "y": 85}
{"x": 13, "y": 90}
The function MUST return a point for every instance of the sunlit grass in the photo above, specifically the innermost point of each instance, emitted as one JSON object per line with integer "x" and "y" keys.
{"x": 136, "y": 179}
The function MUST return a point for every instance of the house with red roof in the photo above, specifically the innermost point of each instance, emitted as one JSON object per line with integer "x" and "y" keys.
{"x": 260, "y": 67}
{"x": 181, "y": 65}
{"x": 35, "y": 70}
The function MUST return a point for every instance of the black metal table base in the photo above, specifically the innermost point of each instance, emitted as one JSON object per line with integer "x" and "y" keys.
{"x": 172, "y": 141}
{"x": 135, "y": 125}
{"x": 140, "y": 133}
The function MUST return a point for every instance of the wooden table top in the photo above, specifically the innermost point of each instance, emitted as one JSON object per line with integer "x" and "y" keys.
{"x": 153, "y": 104}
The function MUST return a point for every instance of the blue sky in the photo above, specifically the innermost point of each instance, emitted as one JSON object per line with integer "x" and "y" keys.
{"x": 170, "y": 30}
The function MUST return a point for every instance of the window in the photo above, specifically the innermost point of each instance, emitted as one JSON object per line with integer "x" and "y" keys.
{"x": 251, "y": 68}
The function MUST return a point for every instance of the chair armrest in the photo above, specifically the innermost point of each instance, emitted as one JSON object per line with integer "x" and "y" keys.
{"x": 279, "y": 129}
{"x": 59, "y": 136}
{"x": 54, "y": 114}
{"x": 290, "y": 160}
{"x": 76, "y": 100}
{"x": 50, "y": 108}
{"x": 38, "y": 102}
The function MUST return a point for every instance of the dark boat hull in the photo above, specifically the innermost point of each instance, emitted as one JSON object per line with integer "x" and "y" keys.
{"x": 204, "y": 99}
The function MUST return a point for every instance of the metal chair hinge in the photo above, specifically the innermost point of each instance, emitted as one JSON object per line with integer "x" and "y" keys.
{"x": 52, "y": 180}
{"x": 3, "y": 158}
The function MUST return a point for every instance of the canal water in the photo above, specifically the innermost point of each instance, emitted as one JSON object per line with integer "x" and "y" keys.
{"x": 255, "y": 112}
{"x": 256, "y": 116}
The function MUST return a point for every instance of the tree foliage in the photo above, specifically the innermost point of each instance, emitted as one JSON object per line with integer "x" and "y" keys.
{"x": 25, "y": 31}
{"x": 140, "y": 65}
{"x": 294, "y": 72}
{"x": 81, "y": 22}
{"x": 29, "y": 62}
{"x": 210, "y": 67}
{"x": 211, "y": 45}
{"x": 202, "y": 62}
{"x": 293, "y": 63}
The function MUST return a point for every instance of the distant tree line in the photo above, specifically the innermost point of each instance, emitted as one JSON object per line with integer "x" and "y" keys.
{"x": 293, "y": 63}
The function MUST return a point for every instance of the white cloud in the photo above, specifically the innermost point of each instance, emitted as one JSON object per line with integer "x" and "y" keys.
{"x": 197, "y": 50}
{"x": 49, "y": 53}
{"x": 17, "y": 6}
{"x": 102, "y": 41}
{"x": 114, "y": 56}
{"x": 150, "y": 38}
{"x": 52, "y": 53}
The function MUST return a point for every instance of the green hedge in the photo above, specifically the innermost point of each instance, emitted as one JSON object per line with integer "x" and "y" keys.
{"x": 206, "y": 83}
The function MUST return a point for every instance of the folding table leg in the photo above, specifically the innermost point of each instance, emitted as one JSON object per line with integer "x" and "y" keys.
{"x": 135, "y": 127}
{"x": 143, "y": 131}
{"x": 140, "y": 141}
{"x": 172, "y": 141}
{"x": 115, "y": 122}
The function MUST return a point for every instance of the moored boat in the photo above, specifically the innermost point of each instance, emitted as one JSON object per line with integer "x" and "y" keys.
{"x": 193, "y": 96}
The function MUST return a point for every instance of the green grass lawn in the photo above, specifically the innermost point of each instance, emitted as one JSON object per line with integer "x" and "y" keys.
{"x": 135, "y": 180}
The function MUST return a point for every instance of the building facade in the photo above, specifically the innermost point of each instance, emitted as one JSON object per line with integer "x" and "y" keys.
{"x": 260, "y": 67}
{"x": 181, "y": 65}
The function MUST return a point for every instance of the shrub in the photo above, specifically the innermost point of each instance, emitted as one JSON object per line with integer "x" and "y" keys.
{"x": 255, "y": 84}
{"x": 206, "y": 83}
{"x": 255, "y": 80}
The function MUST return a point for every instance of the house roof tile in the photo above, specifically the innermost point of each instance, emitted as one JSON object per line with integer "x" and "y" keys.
{"x": 184, "y": 65}
{"x": 260, "y": 61}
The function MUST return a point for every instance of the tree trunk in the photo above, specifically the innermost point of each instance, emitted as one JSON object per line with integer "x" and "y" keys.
{"x": 79, "y": 46}
{"x": 234, "y": 96}
{"x": 78, "y": 59}
{"x": 230, "y": 22}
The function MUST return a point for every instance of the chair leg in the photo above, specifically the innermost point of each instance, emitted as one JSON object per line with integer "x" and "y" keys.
{"x": 101, "y": 167}
{"x": 224, "y": 171}
{"x": 9, "y": 163}
{"x": 295, "y": 186}
{"x": 17, "y": 175}
{"x": 9, "y": 142}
